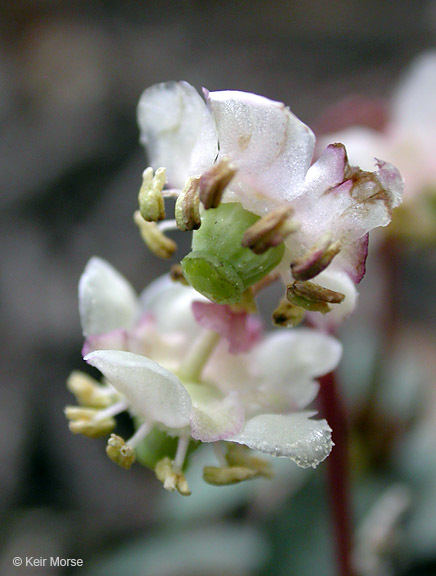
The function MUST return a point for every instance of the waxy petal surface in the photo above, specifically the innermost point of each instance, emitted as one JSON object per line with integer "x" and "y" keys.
{"x": 106, "y": 299}
{"x": 177, "y": 129}
{"x": 153, "y": 392}
{"x": 308, "y": 442}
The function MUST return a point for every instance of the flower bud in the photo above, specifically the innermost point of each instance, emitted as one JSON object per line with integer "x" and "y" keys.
{"x": 219, "y": 267}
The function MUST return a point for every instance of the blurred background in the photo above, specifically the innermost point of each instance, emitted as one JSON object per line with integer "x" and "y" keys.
{"x": 71, "y": 74}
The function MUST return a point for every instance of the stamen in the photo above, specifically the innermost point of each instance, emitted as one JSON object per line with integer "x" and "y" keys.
{"x": 151, "y": 203}
{"x": 171, "y": 479}
{"x": 214, "y": 181}
{"x": 287, "y": 314}
{"x": 84, "y": 421}
{"x": 312, "y": 296}
{"x": 139, "y": 435}
{"x": 111, "y": 411}
{"x": 271, "y": 230}
{"x": 120, "y": 452}
{"x": 316, "y": 259}
{"x": 152, "y": 235}
{"x": 176, "y": 274}
{"x": 88, "y": 391}
{"x": 187, "y": 209}
{"x": 167, "y": 225}
{"x": 182, "y": 448}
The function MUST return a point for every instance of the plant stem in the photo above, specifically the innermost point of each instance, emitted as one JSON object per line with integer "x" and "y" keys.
{"x": 338, "y": 473}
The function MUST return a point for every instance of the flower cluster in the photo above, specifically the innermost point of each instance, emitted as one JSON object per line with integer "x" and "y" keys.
{"x": 242, "y": 148}
{"x": 218, "y": 379}
{"x": 188, "y": 359}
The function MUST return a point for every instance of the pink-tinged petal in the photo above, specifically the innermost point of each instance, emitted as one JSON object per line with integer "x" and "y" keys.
{"x": 177, "y": 130}
{"x": 307, "y": 442}
{"x": 114, "y": 340}
{"x": 106, "y": 299}
{"x": 240, "y": 329}
{"x": 154, "y": 393}
{"x": 214, "y": 417}
{"x": 347, "y": 212}
{"x": 327, "y": 172}
{"x": 391, "y": 181}
{"x": 271, "y": 147}
{"x": 352, "y": 258}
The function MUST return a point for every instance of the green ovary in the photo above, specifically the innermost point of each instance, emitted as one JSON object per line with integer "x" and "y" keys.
{"x": 219, "y": 267}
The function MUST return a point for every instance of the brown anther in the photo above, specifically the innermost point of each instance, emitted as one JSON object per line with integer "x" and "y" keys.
{"x": 316, "y": 259}
{"x": 312, "y": 296}
{"x": 150, "y": 199}
{"x": 270, "y": 230}
{"x": 187, "y": 209}
{"x": 176, "y": 274}
{"x": 214, "y": 181}
{"x": 287, "y": 314}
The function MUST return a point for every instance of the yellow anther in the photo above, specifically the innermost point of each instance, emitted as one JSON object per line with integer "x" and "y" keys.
{"x": 171, "y": 479}
{"x": 155, "y": 239}
{"x": 120, "y": 452}
{"x": 88, "y": 391}
{"x": 85, "y": 421}
{"x": 151, "y": 202}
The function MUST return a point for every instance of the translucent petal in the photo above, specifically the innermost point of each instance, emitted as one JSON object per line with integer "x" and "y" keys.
{"x": 177, "y": 130}
{"x": 106, "y": 299}
{"x": 170, "y": 304}
{"x": 302, "y": 353}
{"x": 214, "y": 417}
{"x": 307, "y": 442}
{"x": 271, "y": 147}
{"x": 154, "y": 393}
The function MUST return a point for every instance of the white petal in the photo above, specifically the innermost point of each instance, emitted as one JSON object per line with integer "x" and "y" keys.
{"x": 214, "y": 417}
{"x": 177, "y": 130}
{"x": 106, "y": 299}
{"x": 154, "y": 393}
{"x": 170, "y": 303}
{"x": 307, "y": 442}
{"x": 271, "y": 147}
{"x": 296, "y": 354}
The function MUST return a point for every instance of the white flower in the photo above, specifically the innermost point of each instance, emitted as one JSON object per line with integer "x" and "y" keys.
{"x": 195, "y": 387}
{"x": 409, "y": 138}
{"x": 334, "y": 205}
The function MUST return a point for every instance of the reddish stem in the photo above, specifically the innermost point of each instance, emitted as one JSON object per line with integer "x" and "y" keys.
{"x": 338, "y": 473}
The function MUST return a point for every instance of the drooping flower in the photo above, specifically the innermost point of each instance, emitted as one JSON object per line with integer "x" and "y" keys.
{"x": 261, "y": 154}
{"x": 178, "y": 378}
